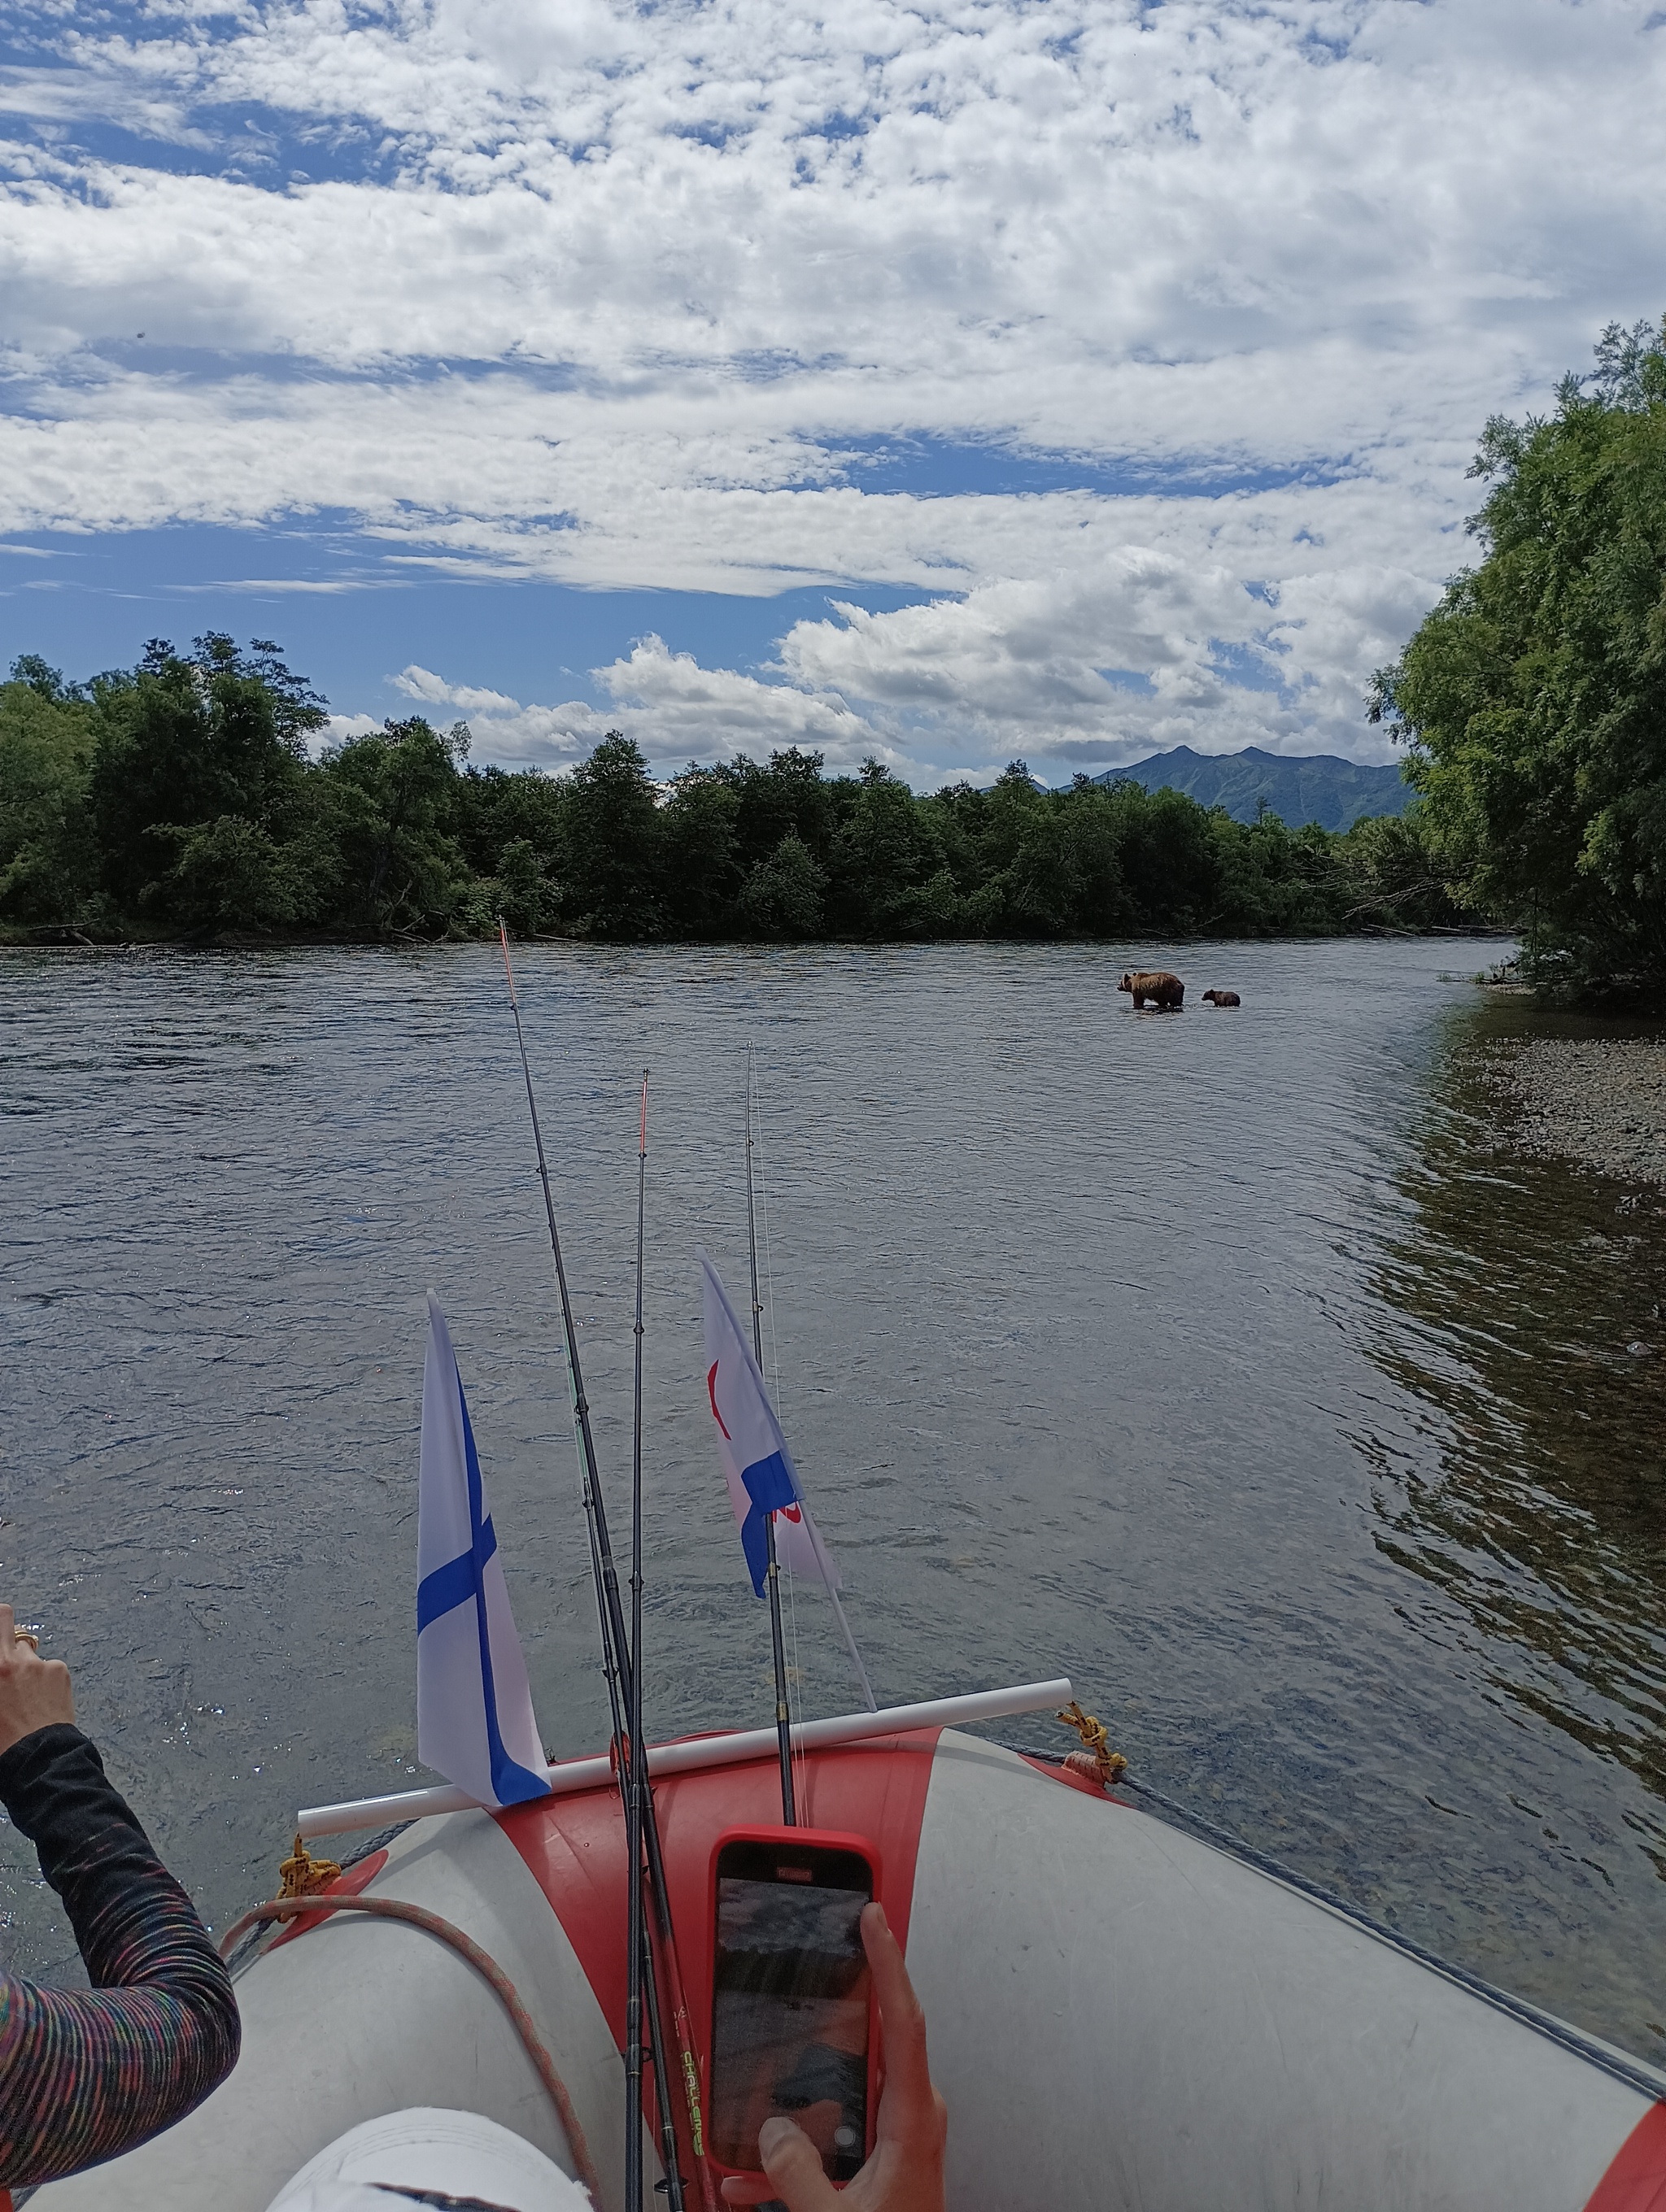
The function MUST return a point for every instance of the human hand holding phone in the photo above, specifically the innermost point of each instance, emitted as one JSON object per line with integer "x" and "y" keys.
{"x": 905, "y": 2172}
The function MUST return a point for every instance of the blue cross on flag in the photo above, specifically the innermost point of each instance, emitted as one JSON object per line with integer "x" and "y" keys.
{"x": 474, "y": 1708}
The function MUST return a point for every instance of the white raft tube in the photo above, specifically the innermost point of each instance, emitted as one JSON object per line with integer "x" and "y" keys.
{"x": 575, "y": 1774}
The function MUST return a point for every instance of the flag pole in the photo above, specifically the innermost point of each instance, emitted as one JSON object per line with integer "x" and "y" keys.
{"x": 617, "y": 1665}
{"x": 783, "y": 1710}
{"x": 637, "y": 1932}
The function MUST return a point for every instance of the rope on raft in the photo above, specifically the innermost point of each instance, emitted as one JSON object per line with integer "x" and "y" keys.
{"x": 1097, "y": 1762}
{"x": 298, "y": 1907}
{"x": 301, "y": 1874}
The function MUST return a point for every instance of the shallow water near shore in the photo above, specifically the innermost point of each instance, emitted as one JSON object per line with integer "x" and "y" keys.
{"x": 1230, "y": 1363}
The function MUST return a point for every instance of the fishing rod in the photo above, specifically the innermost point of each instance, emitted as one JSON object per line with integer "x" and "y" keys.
{"x": 789, "y": 1812}
{"x": 829, "y": 1580}
{"x": 637, "y": 1777}
{"x": 653, "y": 1879}
{"x": 668, "y": 2152}
{"x": 620, "y": 1674}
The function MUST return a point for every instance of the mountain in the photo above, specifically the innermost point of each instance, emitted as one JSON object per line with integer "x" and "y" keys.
{"x": 1298, "y": 787}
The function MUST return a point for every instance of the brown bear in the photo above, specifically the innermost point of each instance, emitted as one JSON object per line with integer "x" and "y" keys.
{"x": 1222, "y": 998}
{"x": 1156, "y": 984}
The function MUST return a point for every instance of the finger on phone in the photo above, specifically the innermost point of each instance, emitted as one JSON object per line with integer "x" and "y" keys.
{"x": 907, "y": 2075}
{"x": 794, "y": 2167}
{"x": 744, "y": 2189}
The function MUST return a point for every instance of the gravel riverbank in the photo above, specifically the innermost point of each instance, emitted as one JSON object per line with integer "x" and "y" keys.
{"x": 1601, "y": 1100}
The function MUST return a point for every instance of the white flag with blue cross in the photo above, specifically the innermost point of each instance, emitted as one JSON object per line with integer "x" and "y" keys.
{"x": 475, "y": 1722}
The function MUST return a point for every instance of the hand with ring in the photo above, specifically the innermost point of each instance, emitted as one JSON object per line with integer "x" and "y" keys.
{"x": 34, "y": 1692}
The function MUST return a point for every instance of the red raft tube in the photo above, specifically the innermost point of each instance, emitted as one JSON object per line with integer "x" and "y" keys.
{"x": 1124, "y": 2017}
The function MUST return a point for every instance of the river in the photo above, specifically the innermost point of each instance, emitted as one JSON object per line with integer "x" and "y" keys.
{"x": 1226, "y": 1362}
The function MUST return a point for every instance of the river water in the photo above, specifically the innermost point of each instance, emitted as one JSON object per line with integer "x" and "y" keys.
{"x": 1226, "y": 1362}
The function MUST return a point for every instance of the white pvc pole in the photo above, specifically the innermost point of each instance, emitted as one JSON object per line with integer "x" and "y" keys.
{"x": 575, "y": 1774}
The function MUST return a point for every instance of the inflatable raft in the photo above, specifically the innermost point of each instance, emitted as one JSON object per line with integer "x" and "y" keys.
{"x": 1120, "y": 2014}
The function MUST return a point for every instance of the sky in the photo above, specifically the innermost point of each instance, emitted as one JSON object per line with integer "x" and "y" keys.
{"x": 942, "y": 382}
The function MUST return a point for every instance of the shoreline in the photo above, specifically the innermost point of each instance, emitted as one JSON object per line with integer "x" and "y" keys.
{"x": 16, "y": 938}
{"x": 1599, "y": 1102}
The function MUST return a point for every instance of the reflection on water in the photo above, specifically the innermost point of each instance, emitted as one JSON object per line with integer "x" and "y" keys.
{"x": 1528, "y": 1296}
{"x": 1219, "y": 1360}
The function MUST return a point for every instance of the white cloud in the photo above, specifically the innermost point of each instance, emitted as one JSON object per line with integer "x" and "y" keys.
{"x": 677, "y": 711}
{"x": 502, "y": 728}
{"x": 574, "y": 289}
{"x": 684, "y": 712}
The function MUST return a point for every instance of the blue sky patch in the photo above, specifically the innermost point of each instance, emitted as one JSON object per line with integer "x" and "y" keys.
{"x": 1244, "y": 666}
{"x": 945, "y": 467}
{"x": 249, "y": 144}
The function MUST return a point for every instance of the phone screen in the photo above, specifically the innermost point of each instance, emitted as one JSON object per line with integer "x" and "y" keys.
{"x": 790, "y": 2004}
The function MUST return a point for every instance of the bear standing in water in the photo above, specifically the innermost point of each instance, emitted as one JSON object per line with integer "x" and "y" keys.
{"x": 1222, "y": 998}
{"x": 1156, "y": 984}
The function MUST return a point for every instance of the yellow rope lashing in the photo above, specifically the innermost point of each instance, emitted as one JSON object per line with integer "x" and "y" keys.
{"x": 1095, "y": 1759}
{"x": 301, "y": 1874}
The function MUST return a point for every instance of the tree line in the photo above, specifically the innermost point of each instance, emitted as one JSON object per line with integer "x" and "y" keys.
{"x": 180, "y": 797}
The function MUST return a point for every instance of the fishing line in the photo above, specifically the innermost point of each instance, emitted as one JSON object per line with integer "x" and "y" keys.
{"x": 813, "y": 1533}
{"x": 619, "y": 1670}
{"x": 636, "y": 1931}
{"x": 797, "y": 1671}
{"x": 803, "y": 1756}
{"x": 772, "y": 1570}
{"x": 769, "y": 1257}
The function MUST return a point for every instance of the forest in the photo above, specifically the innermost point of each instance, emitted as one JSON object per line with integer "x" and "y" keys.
{"x": 181, "y": 799}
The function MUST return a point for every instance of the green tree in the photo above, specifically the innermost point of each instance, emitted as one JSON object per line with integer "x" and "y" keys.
{"x": 782, "y": 895}
{"x": 1009, "y": 845}
{"x": 495, "y": 807}
{"x": 229, "y": 874}
{"x": 49, "y": 855}
{"x": 885, "y": 861}
{"x": 700, "y": 853}
{"x": 789, "y": 796}
{"x": 521, "y": 892}
{"x": 393, "y": 798}
{"x": 1395, "y": 877}
{"x": 1534, "y": 695}
{"x": 1275, "y": 881}
{"x": 186, "y": 742}
{"x": 31, "y": 671}
{"x": 611, "y": 878}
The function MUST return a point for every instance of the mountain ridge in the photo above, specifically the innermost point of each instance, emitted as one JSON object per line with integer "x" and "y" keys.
{"x": 1299, "y": 787}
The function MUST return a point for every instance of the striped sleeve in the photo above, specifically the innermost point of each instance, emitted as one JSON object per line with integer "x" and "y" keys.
{"x": 86, "y": 2074}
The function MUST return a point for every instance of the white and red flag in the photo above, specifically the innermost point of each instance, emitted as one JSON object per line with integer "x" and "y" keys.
{"x": 756, "y": 1462}
{"x": 763, "y": 1483}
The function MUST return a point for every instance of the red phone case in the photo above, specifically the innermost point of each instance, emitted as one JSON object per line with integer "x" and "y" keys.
{"x": 805, "y": 1838}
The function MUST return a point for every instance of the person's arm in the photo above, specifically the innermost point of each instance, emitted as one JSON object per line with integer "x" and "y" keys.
{"x": 905, "y": 2174}
{"x": 87, "y": 2074}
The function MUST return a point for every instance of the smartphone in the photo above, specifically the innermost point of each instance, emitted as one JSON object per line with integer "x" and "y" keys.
{"x": 792, "y": 2006}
